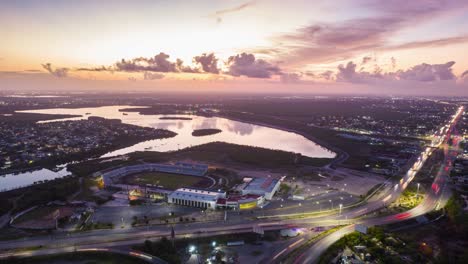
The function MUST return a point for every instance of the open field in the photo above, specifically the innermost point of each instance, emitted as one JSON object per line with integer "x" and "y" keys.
{"x": 36, "y": 214}
{"x": 167, "y": 180}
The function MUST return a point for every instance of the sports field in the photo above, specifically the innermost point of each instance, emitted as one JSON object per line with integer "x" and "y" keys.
{"x": 167, "y": 180}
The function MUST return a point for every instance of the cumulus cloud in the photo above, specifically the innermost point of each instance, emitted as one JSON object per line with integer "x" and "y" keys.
{"x": 152, "y": 76}
{"x": 464, "y": 74}
{"x": 421, "y": 73}
{"x": 429, "y": 72}
{"x": 245, "y": 64}
{"x": 96, "y": 69}
{"x": 365, "y": 60}
{"x": 347, "y": 73}
{"x": 393, "y": 62}
{"x": 208, "y": 62}
{"x": 327, "y": 75}
{"x": 290, "y": 77}
{"x": 57, "y": 72}
{"x": 463, "y": 79}
{"x": 158, "y": 63}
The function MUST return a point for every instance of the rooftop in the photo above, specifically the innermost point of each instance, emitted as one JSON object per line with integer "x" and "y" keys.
{"x": 264, "y": 184}
{"x": 196, "y": 194}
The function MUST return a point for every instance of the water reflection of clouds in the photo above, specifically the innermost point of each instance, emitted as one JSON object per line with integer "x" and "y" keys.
{"x": 171, "y": 125}
{"x": 242, "y": 129}
{"x": 180, "y": 125}
{"x": 203, "y": 123}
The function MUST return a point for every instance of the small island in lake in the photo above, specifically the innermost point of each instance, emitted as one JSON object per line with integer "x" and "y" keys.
{"x": 175, "y": 118}
{"x": 205, "y": 132}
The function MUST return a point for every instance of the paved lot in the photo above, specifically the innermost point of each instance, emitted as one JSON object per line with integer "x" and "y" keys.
{"x": 115, "y": 214}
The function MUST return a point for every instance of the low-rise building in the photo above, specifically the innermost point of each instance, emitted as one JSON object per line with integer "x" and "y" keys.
{"x": 265, "y": 187}
{"x": 195, "y": 197}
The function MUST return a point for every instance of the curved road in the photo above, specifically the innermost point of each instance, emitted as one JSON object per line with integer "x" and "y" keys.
{"x": 435, "y": 199}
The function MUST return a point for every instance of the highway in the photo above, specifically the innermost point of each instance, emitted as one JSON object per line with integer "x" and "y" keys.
{"x": 107, "y": 238}
{"x": 435, "y": 199}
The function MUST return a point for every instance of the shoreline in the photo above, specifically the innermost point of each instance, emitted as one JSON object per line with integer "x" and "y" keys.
{"x": 339, "y": 154}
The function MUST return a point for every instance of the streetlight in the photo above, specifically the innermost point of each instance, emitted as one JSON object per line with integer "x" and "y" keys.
{"x": 417, "y": 191}
{"x": 341, "y": 206}
{"x": 213, "y": 243}
{"x": 318, "y": 203}
{"x": 192, "y": 249}
{"x": 331, "y": 204}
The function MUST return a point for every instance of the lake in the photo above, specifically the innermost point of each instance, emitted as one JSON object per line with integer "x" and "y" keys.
{"x": 234, "y": 132}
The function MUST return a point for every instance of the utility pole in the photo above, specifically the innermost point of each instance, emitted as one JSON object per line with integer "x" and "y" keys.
{"x": 172, "y": 235}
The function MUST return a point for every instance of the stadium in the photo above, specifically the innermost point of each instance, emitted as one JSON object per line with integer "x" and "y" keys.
{"x": 187, "y": 184}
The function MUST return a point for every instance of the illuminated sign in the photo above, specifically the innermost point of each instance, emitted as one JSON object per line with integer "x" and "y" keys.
{"x": 248, "y": 205}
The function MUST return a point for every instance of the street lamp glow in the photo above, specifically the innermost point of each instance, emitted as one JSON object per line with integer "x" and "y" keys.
{"x": 341, "y": 206}
{"x": 191, "y": 249}
{"x": 213, "y": 243}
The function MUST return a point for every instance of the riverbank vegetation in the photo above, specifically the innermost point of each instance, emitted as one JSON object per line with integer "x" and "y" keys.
{"x": 38, "y": 194}
{"x": 215, "y": 152}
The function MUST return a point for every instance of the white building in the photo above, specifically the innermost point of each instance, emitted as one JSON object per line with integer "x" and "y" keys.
{"x": 262, "y": 186}
{"x": 195, "y": 197}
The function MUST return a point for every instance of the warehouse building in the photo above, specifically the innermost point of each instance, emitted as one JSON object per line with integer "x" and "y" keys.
{"x": 195, "y": 197}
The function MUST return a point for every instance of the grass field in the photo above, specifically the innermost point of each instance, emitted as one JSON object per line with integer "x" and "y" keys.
{"x": 38, "y": 213}
{"x": 167, "y": 180}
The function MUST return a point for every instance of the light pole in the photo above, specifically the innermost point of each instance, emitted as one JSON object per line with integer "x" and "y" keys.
{"x": 331, "y": 204}
{"x": 341, "y": 206}
{"x": 318, "y": 203}
{"x": 417, "y": 191}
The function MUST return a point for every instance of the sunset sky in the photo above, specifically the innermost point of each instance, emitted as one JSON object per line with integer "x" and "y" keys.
{"x": 352, "y": 46}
